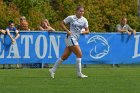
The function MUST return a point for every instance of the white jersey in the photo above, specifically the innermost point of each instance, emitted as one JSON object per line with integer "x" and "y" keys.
{"x": 76, "y": 25}
{"x": 123, "y": 27}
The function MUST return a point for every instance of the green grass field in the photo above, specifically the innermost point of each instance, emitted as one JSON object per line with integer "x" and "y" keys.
{"x": 100, "y": 80}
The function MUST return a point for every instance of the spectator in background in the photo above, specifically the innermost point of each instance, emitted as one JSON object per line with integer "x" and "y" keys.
{"x": 124, "y": 27}
{"x": 10, "y": 28}
{"x": 45, "y": 26}
{"x": 23, "y": 24}
{"x": 2, "y": 31}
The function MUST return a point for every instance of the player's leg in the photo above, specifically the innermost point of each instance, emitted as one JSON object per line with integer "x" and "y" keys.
{"x": 65, "y": 55}
{"x": 77, "y": 51}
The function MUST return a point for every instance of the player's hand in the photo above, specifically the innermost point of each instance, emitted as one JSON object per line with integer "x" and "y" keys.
{"x": 13, "y": 41}
{"x": 129, "y": 33}
{"x": 82, "y": 31}
{"x": 134, "y": 32}
{"x": 69, "y": 33}
{"x": 3, "y": 31}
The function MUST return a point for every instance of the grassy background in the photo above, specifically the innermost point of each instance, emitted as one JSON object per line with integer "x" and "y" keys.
{"x": 102, "y": 15}
{"x": 102, "y": 79}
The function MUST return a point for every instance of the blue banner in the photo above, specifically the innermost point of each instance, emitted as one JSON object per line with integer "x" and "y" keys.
{"x": 47, "y": 47}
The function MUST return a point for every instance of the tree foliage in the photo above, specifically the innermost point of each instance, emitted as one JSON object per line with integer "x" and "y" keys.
{"x": 103, "y": 15}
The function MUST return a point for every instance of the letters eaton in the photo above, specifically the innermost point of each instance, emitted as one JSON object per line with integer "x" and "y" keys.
{"x": 49, "y": 46}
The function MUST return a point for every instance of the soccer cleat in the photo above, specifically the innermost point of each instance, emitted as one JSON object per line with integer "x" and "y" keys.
{"x": 51, "y": 73}
{"x": 80, "y": 75}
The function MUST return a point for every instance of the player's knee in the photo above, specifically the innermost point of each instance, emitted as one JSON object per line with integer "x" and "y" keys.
{"x": 79, "y": 56}
{"x": 64, "y": 57}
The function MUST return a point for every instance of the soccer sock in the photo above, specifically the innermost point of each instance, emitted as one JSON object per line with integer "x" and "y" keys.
{"x": 57, "y": 63}
{"x": 78, "y": 64}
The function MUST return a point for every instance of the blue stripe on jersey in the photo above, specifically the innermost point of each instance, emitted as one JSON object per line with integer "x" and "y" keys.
{"x": 72, "y": 42}
{"x": 67, "y": 36}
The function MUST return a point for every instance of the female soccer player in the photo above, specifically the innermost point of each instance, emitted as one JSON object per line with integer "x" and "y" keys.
{"x": 76, "y": 22}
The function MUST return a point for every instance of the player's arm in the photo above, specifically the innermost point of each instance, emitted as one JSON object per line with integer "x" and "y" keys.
{"x": 131, "y": 30}
{"x": 41, "y": 28}
{"x": 86, "y": 27}
{"x": 2, "y": 31}
{"x": 121, "y": 30}
{"x": 17, "y": 34}
{"x": 8, "y": 32}
{"x": 86, "y": 31}
{"x": 62, "y": 24}
{"x": 134, "y": 32}
{"x": 118, "y": 28}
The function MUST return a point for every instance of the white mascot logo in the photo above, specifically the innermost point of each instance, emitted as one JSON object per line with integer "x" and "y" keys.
{"x": 100, "y": 47}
